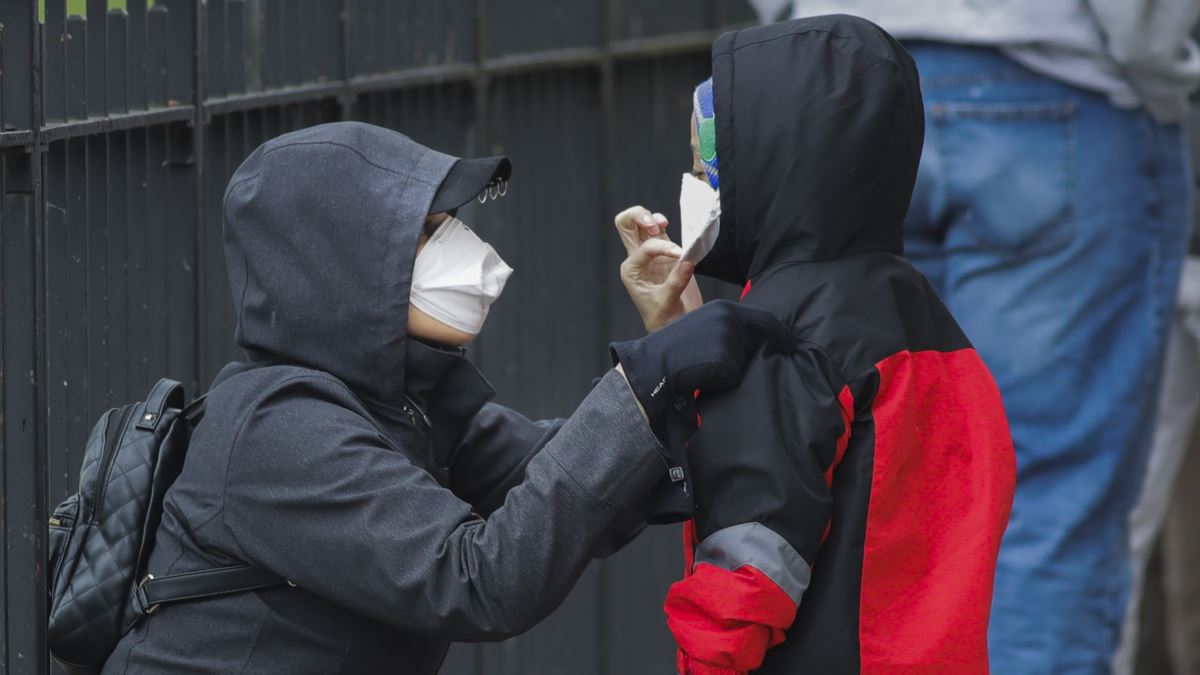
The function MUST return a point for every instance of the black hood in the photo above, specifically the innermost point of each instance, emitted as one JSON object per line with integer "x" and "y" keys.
{"x": 819, "y": 127}
{"x": 321, "y": 230}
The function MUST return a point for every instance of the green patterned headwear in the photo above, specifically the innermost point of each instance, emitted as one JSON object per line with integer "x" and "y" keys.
{"x": 706, "y": 130}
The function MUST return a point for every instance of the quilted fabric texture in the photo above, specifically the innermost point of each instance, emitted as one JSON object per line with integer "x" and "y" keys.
{"x": 91, "y": 591}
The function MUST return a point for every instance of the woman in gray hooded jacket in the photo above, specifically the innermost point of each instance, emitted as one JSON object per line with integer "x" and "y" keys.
{"x": 355, "y": 453}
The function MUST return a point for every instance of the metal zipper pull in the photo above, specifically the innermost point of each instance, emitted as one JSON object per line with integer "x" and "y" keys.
{"x": 412, "y": 406}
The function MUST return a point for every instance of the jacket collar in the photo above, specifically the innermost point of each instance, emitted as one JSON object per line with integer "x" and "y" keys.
{"x": 446, "y": 388}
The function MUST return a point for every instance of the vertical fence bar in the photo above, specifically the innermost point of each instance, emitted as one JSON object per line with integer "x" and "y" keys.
{"x": 181, "y": 49}
{"x": 365, "y": 31}
{"x": 120, "y": 307}
{"x": 118, "y": 61}
{"x": 314, "y": 39}
{"x": 255, "y": 39}
{"x": 300, "y": 40}
{"x": 96, "y": 227}
{"x": 135, "y": 74}
{"x": 291, "y": 49}
{"x": 385, "y": 40}
{"x": 76, "y": 84}
{"x": 22, "y": 467}
{"x": 59, "y": 344}
{"x": 136, "y": 335}
{"x": 2, "y": 127}
{"x": 22, "y": 395}
{"x": 116, "y": 297}
{"x": 236, "y": 47}
{"x": 97, "y": 58}
{"x": 272, "y": 62}
{"x": 54, "y": 33}
{"x": 218, "y": 61}
{"x": 158, "y": 225}
{"x": 377, "y": 29}
{"x": 201, "y": 310}
{"x": 216, "y": 304}
{"x": 157, "y": 27}
{"x": 16, "y": 43}
{"x": 5, "y": 429}
{"x": 180, "y": 224}
{"x": 346, "y": 67}
{"x": 75, "y": 222}
{"x": 24, "y": 462}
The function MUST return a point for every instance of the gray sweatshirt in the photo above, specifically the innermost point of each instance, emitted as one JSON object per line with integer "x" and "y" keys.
{"x": 1138, "y": 52}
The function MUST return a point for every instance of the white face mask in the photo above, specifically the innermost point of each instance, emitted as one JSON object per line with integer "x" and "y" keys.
{"x": 457, "y": 277}
{"x": 699, "y": 217}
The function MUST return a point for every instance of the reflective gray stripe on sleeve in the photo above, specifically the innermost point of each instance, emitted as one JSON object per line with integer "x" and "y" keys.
{"x": 757, "y": 545}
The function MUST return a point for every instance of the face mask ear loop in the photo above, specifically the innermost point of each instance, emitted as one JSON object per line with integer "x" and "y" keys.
{"x": 503, "y": 189}
{"x": 493, "y": 191}
{"x": 483, "y": 196}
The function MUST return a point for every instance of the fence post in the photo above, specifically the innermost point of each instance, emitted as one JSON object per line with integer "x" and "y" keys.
{"x": 22, "y": 396}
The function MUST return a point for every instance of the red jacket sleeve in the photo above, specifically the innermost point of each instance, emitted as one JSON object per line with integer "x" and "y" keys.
{"x": 760, "y": 467}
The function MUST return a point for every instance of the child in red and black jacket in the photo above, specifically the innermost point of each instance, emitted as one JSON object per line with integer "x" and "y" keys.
{"x": 849, "y": 498}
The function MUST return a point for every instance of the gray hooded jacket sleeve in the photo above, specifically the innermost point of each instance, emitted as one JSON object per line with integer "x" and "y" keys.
{"x": 491, "y": 458}
{"x": 315, "y": 493}
{"x": 493, "y": 453}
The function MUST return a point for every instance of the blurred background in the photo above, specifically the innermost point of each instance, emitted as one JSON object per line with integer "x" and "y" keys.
{"x": 115, "y": 155}
{"x": 121, "y": 121}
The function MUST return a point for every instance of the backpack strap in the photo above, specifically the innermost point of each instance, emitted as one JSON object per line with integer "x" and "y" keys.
{"x": 194, "y": 412}
{"x": 167, "y": 393}
{"x": 153, "y": 592}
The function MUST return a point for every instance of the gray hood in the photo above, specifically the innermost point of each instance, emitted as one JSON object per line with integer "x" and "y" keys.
{"x": 321, "y": 230}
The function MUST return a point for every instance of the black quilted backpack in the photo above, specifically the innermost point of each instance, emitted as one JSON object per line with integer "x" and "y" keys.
{"x": 102, "y": 536}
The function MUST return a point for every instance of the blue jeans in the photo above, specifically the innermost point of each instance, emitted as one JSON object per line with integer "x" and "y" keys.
{"x": 1054, "y": 227}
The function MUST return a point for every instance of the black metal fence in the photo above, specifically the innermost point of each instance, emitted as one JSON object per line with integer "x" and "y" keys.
{"x": 118, "y": 132}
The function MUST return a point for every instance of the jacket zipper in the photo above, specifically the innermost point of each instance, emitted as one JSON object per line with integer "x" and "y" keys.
{"x": 67, "y": 522}
{"x": 413, "y": 410}
{"x": 110, "y": 455}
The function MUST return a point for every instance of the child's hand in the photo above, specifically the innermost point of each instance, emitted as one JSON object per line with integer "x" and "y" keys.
{"x": 636, "y": 224}
{"x": 661, "y": 288}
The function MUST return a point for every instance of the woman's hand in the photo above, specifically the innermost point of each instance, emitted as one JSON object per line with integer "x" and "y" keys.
{"x": 662, "y": 288}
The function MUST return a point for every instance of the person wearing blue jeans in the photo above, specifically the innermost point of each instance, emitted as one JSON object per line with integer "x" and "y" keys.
{"x": 1054, "y": 226}
{"x": 1051, "y": 213}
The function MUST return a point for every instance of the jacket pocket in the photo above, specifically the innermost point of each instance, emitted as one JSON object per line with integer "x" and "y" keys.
{"x": 1010, "y": 172}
